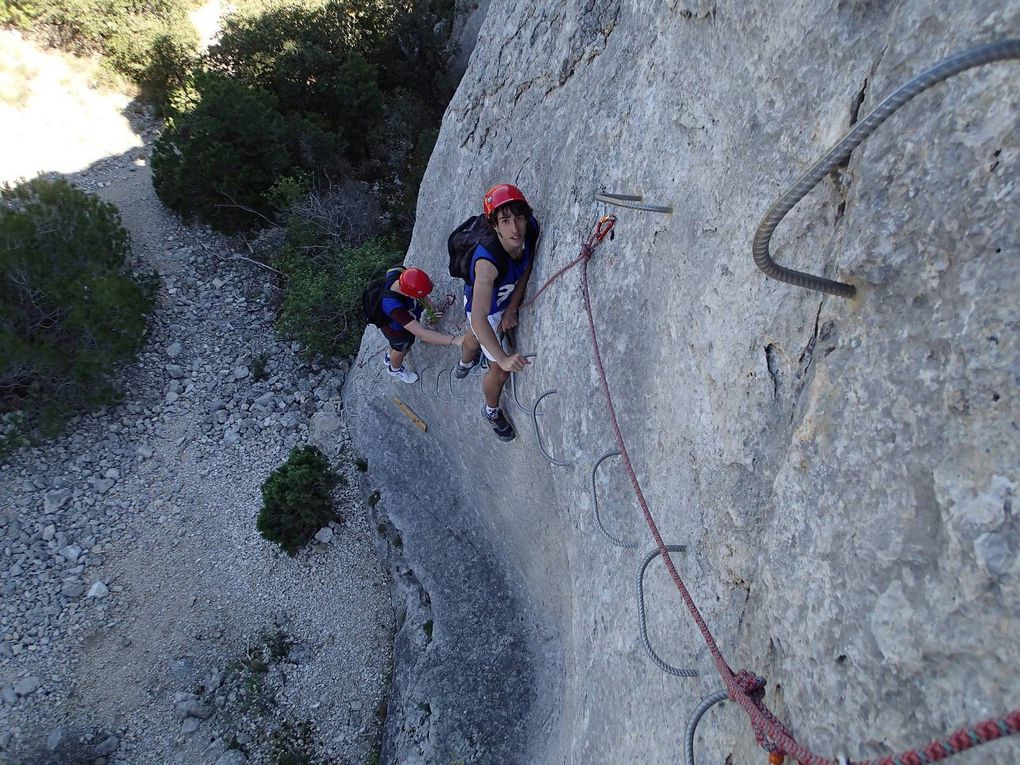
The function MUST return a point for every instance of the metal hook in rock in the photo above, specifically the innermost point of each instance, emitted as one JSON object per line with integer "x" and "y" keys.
{"x": 538, "y": 434}
{"x": 421, "y": 382}
{"x": 452, "y": 391}
{"x": 840, "y": 154}
{"x": 667, "y": 668}
{"x": 695, "y": 718}
{"x": 513, "y": 384}
{"x": 632, "y": 202}
{"x": 595, "y": 502}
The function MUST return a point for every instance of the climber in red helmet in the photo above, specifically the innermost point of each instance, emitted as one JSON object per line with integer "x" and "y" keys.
{"x": 403, "y": 292}
{"x": 497, "y": 277}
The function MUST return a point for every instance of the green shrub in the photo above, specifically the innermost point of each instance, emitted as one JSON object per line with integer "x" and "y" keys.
{"x": 321, "y": 304}
{"x": 70, "y": 311}
{"x": 313, "y": 59}
{"x": 295, "y": 499}
{"x": 295, "y": 744}
{"x": 360, "y": 89}
{"x": 18, "y": 13}
{"x": 221, "y": 159}
{"x": 159, "y": 59}
{"x": 259, "y": 373}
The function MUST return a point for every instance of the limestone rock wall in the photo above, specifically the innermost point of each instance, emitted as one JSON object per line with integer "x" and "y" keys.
{"x": 843, "y": 473}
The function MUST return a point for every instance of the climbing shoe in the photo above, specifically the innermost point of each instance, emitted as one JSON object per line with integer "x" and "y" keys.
{"x": 500, "y": 424}
{"x": 403, "y": 374}
{"x": 460, "y": 371}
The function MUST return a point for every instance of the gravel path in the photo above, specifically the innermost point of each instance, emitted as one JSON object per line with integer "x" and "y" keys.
{"x": 143, "y": 618}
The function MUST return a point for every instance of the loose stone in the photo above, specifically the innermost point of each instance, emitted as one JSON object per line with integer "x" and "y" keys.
{"x": 190, "y": 725}
{"x": 98, "y": 591}
{"x": 27, "y": 686}
{"x": 72, "y": 590}
{"x": 324, "y": 535}
{"x": 54, "y": 500}
{"x": 108, "y": 746}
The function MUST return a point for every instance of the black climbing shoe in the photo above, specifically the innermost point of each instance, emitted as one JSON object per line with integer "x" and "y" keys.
{"x": 500, "y": 424}
{"x": 460, "y": 371}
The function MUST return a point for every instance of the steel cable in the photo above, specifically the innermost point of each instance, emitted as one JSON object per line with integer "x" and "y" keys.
{"x": 513, "y": 384}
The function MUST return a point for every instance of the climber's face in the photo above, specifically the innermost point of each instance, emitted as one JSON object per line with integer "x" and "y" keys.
{"x": 511, "y": 229}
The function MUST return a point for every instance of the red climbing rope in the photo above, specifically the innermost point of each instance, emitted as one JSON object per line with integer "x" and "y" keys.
{"x": 603, "y": 228}
{"x": 745, "y": 688}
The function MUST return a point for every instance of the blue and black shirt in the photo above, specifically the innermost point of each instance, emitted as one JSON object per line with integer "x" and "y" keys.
{"x": 507, "y": 279}
{"x": 401, "y": 310}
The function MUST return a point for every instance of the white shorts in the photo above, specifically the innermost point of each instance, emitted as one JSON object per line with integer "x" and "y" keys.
{"x": 494, "y": 320}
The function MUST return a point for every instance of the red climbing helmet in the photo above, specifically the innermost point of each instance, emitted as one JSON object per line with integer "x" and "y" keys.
{"x": 415, "y": 283}
{"x": 499, "y": 195}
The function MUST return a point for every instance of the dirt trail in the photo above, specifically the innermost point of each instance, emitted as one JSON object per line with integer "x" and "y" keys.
{"x": 192, "y": 585}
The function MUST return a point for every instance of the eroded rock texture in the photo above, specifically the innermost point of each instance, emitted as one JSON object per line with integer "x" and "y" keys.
{"x": 843, "y": 473}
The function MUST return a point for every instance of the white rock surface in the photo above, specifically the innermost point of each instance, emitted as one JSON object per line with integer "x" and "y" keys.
{"x": 843, "y": 474}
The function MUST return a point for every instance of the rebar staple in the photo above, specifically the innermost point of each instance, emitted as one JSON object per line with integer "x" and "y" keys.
{"x": 660, "y": 663}
{"x": 840, "y": 153}
{"x": 595, "y": 502}
{"x": 421, "y": 382}
{"x": 538, "y": 434}
{"x": 631, "y": 202}
{"x": 695, "y": 718}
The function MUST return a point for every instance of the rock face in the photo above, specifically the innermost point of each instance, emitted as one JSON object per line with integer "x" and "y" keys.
{"x": 842, "y": 473}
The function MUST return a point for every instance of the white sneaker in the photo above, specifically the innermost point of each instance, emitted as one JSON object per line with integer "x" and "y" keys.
{"x": 403, "y": 374}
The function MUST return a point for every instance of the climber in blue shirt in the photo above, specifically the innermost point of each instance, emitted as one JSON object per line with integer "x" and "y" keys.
{"x": 403, "y": 293}
{"x": 493, "y": 294}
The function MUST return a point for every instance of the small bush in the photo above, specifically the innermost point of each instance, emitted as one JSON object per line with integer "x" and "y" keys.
{"x": 295, "y": 499}
{"x": 70, "y": 310}
{"x": 221, "y": 159}
{"x": 259, "y": 373}
{"x": 322, "y": 298}
{"x": 18, "y": 12}
{"x": 295, "y": 744}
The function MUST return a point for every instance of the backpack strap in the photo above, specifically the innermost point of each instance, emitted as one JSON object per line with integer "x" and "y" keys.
{"x": 533, "y": 234}
{"x": 499, "y": 258}
{"x": 392, "y": 275}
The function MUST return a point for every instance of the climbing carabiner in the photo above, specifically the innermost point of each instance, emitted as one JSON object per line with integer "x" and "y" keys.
{"x": 604, "y": 228}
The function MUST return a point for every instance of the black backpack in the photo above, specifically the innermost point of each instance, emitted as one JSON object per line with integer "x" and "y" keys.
{"x": 463, "y": 241}
{"x": 371, "y": 298}
{"x": 477, "y": 231}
